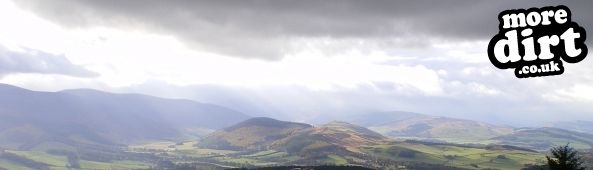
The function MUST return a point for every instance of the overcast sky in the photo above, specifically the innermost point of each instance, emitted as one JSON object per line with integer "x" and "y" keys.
{"x": 300, "y": 60}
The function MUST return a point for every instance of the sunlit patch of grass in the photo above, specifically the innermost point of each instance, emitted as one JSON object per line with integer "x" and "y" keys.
{"x": 336, "y": 160}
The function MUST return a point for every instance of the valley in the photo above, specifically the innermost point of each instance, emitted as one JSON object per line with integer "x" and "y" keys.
{"x": 100, "y": 130}
{"x": 268, "y": 142}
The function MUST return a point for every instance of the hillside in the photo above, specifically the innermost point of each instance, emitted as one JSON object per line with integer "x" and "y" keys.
{"x": 254, "y": 133}
{"x": 73, "y": 117}
{"x": 46, "y": 129}
{"x": 293, "y": 138}
{"x": 287, "y": 143}
{"x": 544, "y": 138}
{"x": 334, "y": 136}
{"x": 264, "y": 142}
{"x": 579, "y": 126}
{"x": 407, "y": 125}
{"x": 419, "y": 126}
{"x": 346, "y": 134}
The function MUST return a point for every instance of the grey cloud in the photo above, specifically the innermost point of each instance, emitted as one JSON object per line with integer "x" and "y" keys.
{"x": 262, "y": 28}
{"x": 34, "y": 61}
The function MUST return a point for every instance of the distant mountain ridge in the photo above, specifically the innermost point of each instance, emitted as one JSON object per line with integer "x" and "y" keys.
{"x": 546, "y": 137}
{"x": 29, "y": 118}
{"x": 436, "y": 128}
{"x": 83, "y": 116}
{"x": 414, "y": 125}
{"x": 578, "y": 125}
{"x": 105, "y": 123}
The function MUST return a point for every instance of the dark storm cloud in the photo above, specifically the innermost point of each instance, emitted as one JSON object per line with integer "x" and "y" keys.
{"x": 33, "y": 61}
{"x": 262, "y": 28}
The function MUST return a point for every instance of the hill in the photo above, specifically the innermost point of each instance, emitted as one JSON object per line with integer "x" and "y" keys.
{"x": 74, "y": 117}
{"x": 254, "y": 133}
{"x": 407, "y": 125}
{"x": 579, "y": 126}
{"x": 544, "y": 138}
{"x": 420, "y": 126}
{"x": 342, "y": 143}
{"x": 346, "y": 134}
{"x": 334, "y": 136}
{"x": 303, "y": 140}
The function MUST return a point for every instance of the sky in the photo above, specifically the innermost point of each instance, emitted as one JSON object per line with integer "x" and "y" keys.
{"x": 295, "y": 60}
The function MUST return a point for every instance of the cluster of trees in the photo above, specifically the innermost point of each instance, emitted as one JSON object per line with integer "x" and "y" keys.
{"x": 561, "y": 158}
{"x": 564, "y": 158}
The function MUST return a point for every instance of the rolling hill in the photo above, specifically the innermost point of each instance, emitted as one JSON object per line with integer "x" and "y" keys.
{"x": 254, "y": 133}
{"x": 342, "y": 143}
{"x": 346, "y": 134}
{"x": 73, "y": 117}
{"x": 579, "y": 126}
{"x": 261, "y": 132}
{"x": 50, "y": 124}
{"x": 544, "y": 138}
{"x": 294, "y": 138}
{"x": 419, "y": 126}
{"x": 416, "y": 126}
{"x": 333, "y": 136}
{"x": 301, "y": 143}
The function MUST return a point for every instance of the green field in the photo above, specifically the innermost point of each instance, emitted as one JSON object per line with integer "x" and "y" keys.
{"x": 336, "y": 160}
{"x": 398, "y": 151}
{"x": 439, "y": 154}
{"x": 57, "y": 162}
{"x": 464, "y": 157}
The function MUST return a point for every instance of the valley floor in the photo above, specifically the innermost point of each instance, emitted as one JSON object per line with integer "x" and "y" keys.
{"x": 393, "y": 155}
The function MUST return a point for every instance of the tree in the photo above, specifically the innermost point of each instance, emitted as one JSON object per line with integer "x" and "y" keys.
{"x": 564, "y": 158}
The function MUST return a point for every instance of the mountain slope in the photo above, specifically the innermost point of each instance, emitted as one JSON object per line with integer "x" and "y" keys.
{"x": 414, "y": 125}
{"x": 334, "y": 137}
{"x": 28, "y": 118}
{"x": 343, "y": 143}
{"x": 579, "y": 126}
{"x": 544, "y": 138}
{"x": 425, "y": 127}
{"x": 346, "y": 134}
{"x": 302, "y": 143}
{"x": 255, "y": 133}
{"x": 267, "y": 133}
